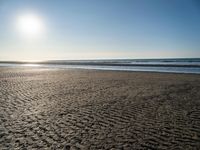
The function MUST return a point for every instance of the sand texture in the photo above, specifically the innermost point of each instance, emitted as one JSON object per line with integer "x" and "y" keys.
{"x": 87, "y": 109}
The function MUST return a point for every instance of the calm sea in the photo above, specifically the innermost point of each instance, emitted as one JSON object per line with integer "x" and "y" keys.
{"x": 186, "y": 65}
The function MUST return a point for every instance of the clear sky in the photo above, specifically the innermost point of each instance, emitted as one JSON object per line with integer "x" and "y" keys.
{"x": 90, "y": 29}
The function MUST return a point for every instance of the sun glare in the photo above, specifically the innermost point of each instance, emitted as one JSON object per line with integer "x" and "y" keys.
{"x": 30, "y": 25}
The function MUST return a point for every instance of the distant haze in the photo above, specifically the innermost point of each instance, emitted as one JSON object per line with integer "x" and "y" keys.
{"x": 99, "y": 29}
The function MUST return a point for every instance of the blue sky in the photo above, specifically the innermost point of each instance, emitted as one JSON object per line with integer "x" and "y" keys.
{"x": 99, "y": 29}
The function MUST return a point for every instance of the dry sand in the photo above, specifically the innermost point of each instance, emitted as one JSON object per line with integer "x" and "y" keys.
{"x": 88, "y": 109}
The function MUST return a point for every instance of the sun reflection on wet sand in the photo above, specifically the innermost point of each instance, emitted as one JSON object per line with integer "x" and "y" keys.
{"x": 31, "y": 65}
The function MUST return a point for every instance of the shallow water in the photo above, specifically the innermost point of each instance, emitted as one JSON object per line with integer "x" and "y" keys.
{"x": 186, "y": 65}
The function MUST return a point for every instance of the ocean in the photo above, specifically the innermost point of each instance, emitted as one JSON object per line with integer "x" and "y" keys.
{"x": 179, "y": 65}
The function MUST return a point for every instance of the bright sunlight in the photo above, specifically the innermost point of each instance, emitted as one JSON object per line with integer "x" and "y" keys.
{"x": 30, "y": 25}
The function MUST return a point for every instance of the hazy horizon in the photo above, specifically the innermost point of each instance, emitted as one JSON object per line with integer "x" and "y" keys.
{"x": 101, "y": 59}
{"x": 86, "y": 30}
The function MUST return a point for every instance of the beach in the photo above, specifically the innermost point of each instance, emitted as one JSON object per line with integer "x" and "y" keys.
{"x": 44, "y": 108}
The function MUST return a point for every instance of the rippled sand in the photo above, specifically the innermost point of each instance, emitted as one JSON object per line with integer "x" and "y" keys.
{"x": 88, "y": 109}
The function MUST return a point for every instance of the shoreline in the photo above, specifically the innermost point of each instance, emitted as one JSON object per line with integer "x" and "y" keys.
{"x": 90, "y": 68}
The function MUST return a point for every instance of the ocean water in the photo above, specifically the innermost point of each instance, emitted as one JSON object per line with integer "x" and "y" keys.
{"x": 186, "y": 65}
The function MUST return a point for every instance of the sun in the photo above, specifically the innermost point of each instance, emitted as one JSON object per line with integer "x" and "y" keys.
{"x": 30, "y": 25}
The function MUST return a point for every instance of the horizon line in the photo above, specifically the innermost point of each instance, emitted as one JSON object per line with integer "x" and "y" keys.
{"x": 47, "y": 60}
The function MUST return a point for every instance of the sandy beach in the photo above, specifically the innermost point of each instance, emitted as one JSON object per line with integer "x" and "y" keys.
{"x": 75, "y": 109}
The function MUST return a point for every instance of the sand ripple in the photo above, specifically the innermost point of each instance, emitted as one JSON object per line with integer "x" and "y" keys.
{"x": 80, "y": 109}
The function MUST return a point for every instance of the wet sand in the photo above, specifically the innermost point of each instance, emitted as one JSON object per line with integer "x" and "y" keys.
{"x": 89, "y": 109}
